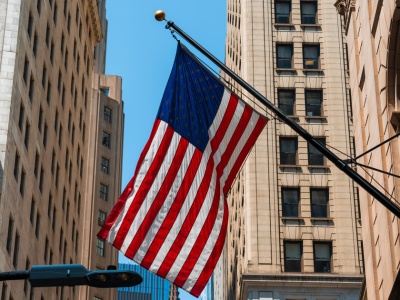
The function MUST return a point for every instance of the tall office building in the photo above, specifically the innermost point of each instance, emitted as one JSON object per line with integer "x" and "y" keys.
{"x": 153, "y": 287}
{"x": 372, "y": 31}
{"x": 294, "y": 229}
{"x": 61, "y": 141}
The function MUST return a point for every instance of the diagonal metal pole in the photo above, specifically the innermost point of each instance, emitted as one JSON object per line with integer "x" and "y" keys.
{"x": 374, "y": 192}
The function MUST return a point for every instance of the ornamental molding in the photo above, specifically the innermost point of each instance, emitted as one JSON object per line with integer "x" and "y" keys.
{"x": 344, "y": 8}
{"x": 95, "y": 20}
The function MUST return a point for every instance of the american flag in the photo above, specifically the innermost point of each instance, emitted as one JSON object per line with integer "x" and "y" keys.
{"x": 172, "y": 216}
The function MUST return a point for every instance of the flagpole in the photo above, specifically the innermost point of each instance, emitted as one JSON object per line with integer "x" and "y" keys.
{"x": 378, "y": 195}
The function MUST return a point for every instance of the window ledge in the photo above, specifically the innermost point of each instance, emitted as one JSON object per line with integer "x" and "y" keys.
{"x": 313, "y": 70}
{"x": 290, "y": 166}
{"x": 292, "y": 219}
{"x": 316, "y": 117}
{"x": 310, "y": 25}
{"x": 284, "y": 24}
{"x": 285, "y": 70}
{"x": 318, "y": 167}
{"x": 315, "y": 219}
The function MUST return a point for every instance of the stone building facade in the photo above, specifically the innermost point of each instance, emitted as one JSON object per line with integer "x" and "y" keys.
{"x": 294, "y": 230}
{"x": 372, "y": 32}
{"x": 57, "y": 173}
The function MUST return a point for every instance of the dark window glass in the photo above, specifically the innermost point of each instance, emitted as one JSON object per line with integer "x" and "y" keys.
{"x": 322, "y": 257}
{"x": 9, "y": 234}
{"x": 319, "y": 202}
{"x": 293, "y": 255}
{"x": 311, "y": 57}
{"x": 107, "y": 114}
{"x": 102, "y": 217}
{"x": 315, "y": 158}
{"x": 103, "y": 191}
{"x": 308, "y": 12}
{"x": 286, "y": 100}
{"x": 100, "y": 247}
{"x": 282, "y": 11}
{"x": 106, "y": 139}
{"x": 313, "y": 103}
{"x": 288, "y": 151}
{"x": 290, "y": 202}
{"x": 284, "y": 54}
{"x": 105, "y": 165}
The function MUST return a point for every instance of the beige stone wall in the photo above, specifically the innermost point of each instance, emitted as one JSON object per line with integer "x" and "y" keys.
{"x": 372, "y": 35}
{"x": 257, "y": 230}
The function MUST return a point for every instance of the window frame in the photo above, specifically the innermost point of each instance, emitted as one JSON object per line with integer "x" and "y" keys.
{"x": 297, "y": 263}
{"x": 105, "y": 165}
{"x": 291, "y": 96}
{"x": 308, "y": 96}
{"x": 285, "y": 204}
{"x": 303, "y": 15}
{"x": 313, "y": 154}
{"x": 313, "y": 204}
{"x": 323, "y": 260}
{"x": 100, "y": 247}
{"x": 279, "y": 16}
{"x": 281, "y": 61}
{"x": 104, "y": 191}
{"x": 106, "y": 140}
{"x": 312, "y": 63}
{"x": 282, "y": 159}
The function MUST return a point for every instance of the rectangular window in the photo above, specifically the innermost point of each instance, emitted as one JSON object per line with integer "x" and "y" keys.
{"x": 61, "y": 240}
{"x": 36, "y": 168}
{"x": 10, "y": 234}
{"x": 40, "y": 119}
{"x": 16, "y": 165}
{"x": 319, "y": 202}
{"x": 48, "y": 35}
{"x": 48, "y": 93}
{"x": 282, "y": 11}
{"x": 293, "y": 256}
{"x": 44, "y": 76}
{"x": 104, "y": 191}
{"x": 37, "y": 228}
{"x": 22, "y": 183}
{"x": 315, "y": 158}
{"x": 32, "y": 212}
{"x": 322, "y": 257}
{"x": 26, "y": 70}
{"x": 105, "y": 165}
{"x": 21, "y": 116}
{"x": 100, "y": 247}
{"x": 35, "y": 44}
{"x": 311, "y": 59}
{"x": 106, "y": 139}
{"x": 284, "y": 56}
{"x": 39, "y": 9}
{"x": 308, "y": 12}
{"x": 313, "y": 100}
{"x": 27, "y": 132}
{"x": 30, "y": 25}
{"x": 107, "y": 114}
{"x": 46, "y": 249}
{"x": 286, "y": 101}
{"x": 45, "y": 131}
{"x": 102, "y": 218}
{"x": 53, "y": 223}
{"x": 288, "y": 150}
{"x": 41, "y": 179}
{"x": 16, "y": 250}
{"x": 290, "y": 202}
{"x": 31, "y": 88}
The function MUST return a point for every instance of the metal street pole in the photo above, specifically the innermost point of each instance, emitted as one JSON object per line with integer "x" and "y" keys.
{"x": 374, "y": 192}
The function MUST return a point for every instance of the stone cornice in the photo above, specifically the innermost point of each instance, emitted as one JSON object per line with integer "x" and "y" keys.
{"x": 95, "y": 20}
{"x": 344, "y": 8}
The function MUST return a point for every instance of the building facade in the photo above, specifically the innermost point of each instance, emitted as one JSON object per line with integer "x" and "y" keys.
{"x": 58, "y": 176}
{"x": 153, "y": 287}
{"x": 294, "y": 230}
{"x": 372, "y": 31}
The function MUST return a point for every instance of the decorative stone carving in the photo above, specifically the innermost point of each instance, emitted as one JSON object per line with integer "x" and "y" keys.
{"x": 344, "y": 8}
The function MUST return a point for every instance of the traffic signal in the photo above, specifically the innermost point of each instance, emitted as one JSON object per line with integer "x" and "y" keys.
{"x": 71, "y": 275}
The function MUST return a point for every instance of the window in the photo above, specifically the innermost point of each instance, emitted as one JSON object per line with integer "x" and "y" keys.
{"x": 319, "y": 202}
{"x": 48, "y": 35}
{"x": 105, "y": 165}
{"x": 102, "y": 217}
{"x": 37, "y": 228}
{"x": 40, "y": 119}
{"x": 31, "y": 88}
{"x": 32, "y": 213}
{"x": 293, "y": 255}
{"x": 39, "y": 9}
{"x": 100, "y": 247}
{"x": 46, "y": 249}
{"x": 322, "y": 257}
{"x": 41, "y": 179}
{"x": 286, "y": 100}
{"x": 36, "y": 168}
{"x": 288, "y": 150}
{"x": 22, "y": 183}
{"x": 313, "y": 103}
{"x": 104, "y": 191}
{"x": 46, "y": 128}
{"x": 26, "y": 70}
{"x": 61, "y": 240}
{"x": 16, "y": 250}
{"x": 44, "y": 76}
{"x": 311, "y": 57}
{"x": 9, "y": 234}
{"x": 21, "y": 116}
{"x": 48, "y": 93}
{"x": 35, "y": 44}
{"x": 106, "y": 139}
{"x": 27, "y": 131}
{"x": 290, "y": 202}
{"x": 284, "y": 55}
{"x": 16, "y": 165}
{"x": 315, "y": 158}
{"x": 107, "y": 114}
{"x": 308, "y": 12}
{"x": 282, "y": 11}
{"x": 30, "y": 25}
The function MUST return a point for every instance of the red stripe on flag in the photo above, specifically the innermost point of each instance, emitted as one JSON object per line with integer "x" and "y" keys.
{"x": 243, "y": 153}
{"x": 159, "y": 199}
{"x": 113, "y": 215}
{"x": 208, "y": 268}
{"x": 144, "y": 188}
{"x": 173, "y": 211}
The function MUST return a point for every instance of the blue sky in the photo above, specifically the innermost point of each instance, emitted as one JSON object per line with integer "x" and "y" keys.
{"x": 141, "y": 51}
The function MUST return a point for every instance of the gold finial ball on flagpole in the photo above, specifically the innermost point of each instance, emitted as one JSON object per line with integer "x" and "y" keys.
{"x": 159, "y": 15}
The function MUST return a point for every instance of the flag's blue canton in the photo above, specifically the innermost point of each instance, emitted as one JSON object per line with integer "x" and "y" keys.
{"x": 191, "y": 99}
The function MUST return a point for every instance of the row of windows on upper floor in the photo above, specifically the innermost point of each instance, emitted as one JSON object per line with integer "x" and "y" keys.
{"x": 319, "y": 202}
{"x": 285, "y": 58}
{"x": 308, "y": 12}
{"x": 288, "y": 150}
{"x": 313, "y": 102}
